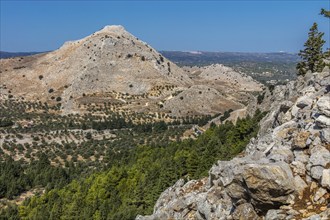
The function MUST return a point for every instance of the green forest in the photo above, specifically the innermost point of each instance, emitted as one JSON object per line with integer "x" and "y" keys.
{"x": 133, "y": 180}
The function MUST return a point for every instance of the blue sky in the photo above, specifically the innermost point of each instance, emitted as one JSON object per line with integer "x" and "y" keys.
{"x": 247, "y": 26}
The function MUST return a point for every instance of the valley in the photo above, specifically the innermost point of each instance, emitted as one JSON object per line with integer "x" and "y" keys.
{"x": 104, "y": 100}
{"x": 106, "y": 127}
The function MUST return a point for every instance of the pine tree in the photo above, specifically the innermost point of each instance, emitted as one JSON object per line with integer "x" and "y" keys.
{"x": 312, "y": 55}
{"x": 325, "y": 13}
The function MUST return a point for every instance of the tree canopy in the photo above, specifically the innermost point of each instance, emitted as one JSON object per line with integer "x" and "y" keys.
{"x": 325, "y": 13}
{"x": 133, "y": 183}
{"x": 312, "y": 56}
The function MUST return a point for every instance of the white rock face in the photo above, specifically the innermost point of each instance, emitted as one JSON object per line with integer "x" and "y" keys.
{"x": 326, "y": 178}
{"x": 323, "y": 104}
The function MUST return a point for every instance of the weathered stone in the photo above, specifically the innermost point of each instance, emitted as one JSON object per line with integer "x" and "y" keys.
{"x": 325, "y": 181}
{"x": 325, "y": 135}
{"x": 323, "y": 104}
{"x": 275, "y": 214}
{"x": 309, "y": 90}
{"x": 281, "y": 154}
{"x": 300, "y": 184}
{"x": 320, "y": 156}
{"x": 245, "y": 211}
{"x": 298, "y": 167}
{"x": 316, "y": 172}
{"x": 312, "y": 216}
{"x": 269, "y": 183}
{"x": 319, "y": 193}
{"x": 317, "y": 141}
{"x": 294, "y": 111}
{"x": 292, "y": 212}
{"x": 225, "y": 171}
{"x": 179, "y": 205}
{"x": 301, "y": 156}
{"x": 236, "y": 191}
{"x": 299, "y": 140}
{"x": 304, "y": 101}
{"x": 284, "y": 130}
{"x": 323, "y": 121}
{"x": 325, "y": 214}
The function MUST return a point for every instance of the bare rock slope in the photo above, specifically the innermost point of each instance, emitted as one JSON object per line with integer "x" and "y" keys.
{"x": 110, "y": 65}
{"x": 284, "y": 174}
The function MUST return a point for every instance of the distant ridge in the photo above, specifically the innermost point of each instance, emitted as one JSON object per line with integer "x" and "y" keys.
{"x": 5, "y": 55}
{"x": 203, "y": 58}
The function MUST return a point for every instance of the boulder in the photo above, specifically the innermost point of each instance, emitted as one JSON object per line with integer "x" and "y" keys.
{"x": 323, "y": 105}
{"x": 299, "y": 155}
{"x": 300, "y": 184}
{"x": 325, "y": 181}
{"x": 325, "y": 135}
{"x": 224, "y": 172}
{"x": 281, "y": 154}
{"x": 320, "y": 156}
{"x": 285, "y": 130}
{"x": 304, "y": 101}
{"x": 316, "y": 172}
{"x": 213, "y": 204}
{"x": 298, "y": 167}
{"x": 309, "y": 90}
{"x": 300, "y": 140}
{"x": 269, "y": 184}
{"x": 323, "y": 121}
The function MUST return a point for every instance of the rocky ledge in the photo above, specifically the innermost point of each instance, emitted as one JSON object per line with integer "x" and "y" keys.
{"x": 284, "y": 173}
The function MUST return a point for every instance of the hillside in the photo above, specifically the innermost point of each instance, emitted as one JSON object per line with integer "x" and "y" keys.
{"x": 269, "y": 68}
{"x": 110, "y": 66}
{"x": 283, "y": 174}
{"x": 86, "y": 107}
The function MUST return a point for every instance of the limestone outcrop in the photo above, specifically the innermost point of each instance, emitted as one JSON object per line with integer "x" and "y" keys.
{"x": 284, "y": 173}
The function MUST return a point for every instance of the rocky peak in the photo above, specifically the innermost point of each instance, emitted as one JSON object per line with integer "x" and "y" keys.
{"x": 108, "y": 60}
{"x": 285, "y": 173}
{"x": 112, "y": 29}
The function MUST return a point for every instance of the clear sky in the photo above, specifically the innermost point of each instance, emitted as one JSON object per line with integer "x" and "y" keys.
{"x": 247, "y": 26}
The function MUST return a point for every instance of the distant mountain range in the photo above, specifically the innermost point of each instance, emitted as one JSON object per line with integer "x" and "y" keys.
{"x": 4, "y": 55}
{"x": 202, "y": 57}
{"x": 206, "y": 58}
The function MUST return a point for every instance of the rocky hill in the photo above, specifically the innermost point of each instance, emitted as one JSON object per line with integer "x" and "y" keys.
{"x": 113, "y": 66}
{"x": 284, "y": 172}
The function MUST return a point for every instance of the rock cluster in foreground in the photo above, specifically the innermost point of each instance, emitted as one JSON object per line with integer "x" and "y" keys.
{"x": 285, "y": 173}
